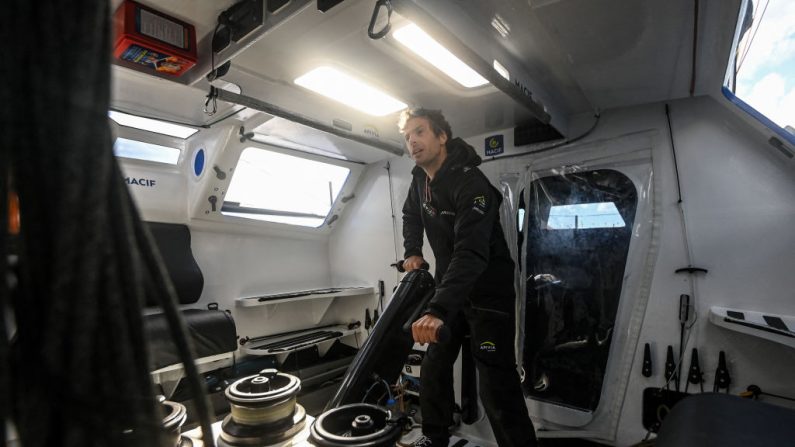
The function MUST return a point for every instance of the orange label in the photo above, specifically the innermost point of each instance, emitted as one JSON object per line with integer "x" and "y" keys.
{"x": 13, "y": 213}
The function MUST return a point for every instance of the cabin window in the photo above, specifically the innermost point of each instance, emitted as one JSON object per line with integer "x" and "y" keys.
{"x": 761, "y": 74}
{"x": 151, "y": 125}
{"x": 139, "y": 150}
{"x": 584, "y": 216}
{"x": 578, "y": 233}
{"x": 276, "y": 187}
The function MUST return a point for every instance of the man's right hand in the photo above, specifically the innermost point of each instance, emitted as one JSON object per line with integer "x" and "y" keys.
{"x": 413, "y": 263}
{"x": 426, "y": 329}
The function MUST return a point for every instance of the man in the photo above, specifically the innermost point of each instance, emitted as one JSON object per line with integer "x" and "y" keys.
{"x": 454, "y": 203}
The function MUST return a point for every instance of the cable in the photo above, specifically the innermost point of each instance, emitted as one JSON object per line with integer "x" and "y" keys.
{"x": 777, "y": 396}
{"x": 374, "y": 384}
{"x": 597, "y": 115}
{"x": 754, "y": 391}
{"x": 751, "y": 40}
{"x": 394, "y": 217}
{"x": 695, "y": 48}
{"x": 685, "y": 235}
{"x": 78, "y": 305}
{"x": 388, "y": 388}
{"x": 673, "y": 152}
{"x": 177, "y": 327}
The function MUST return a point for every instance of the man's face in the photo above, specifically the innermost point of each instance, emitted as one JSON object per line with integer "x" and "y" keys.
{"x": 424, "y": 147}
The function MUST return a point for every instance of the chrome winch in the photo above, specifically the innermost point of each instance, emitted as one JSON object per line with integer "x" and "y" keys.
{"x": 264, "y": 410}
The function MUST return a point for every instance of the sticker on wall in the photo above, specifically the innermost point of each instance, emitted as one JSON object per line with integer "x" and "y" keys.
{"x": 141, "y": 181}
{"x": 198, "y": 162}
{"x": 371, "y": 131}
{"x": 494, "y": 145}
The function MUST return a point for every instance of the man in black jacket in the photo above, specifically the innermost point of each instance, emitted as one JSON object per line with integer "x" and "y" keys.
{"x": 458, "y": 208}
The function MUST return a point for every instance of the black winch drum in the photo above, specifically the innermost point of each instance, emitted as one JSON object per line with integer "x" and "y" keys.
{"x": 356, "y": 425}
{"x": 264, "y": 410}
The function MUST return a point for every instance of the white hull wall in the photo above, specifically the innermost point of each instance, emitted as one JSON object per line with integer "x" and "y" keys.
{"x": 245, "y": 265}
{"x": 363, "y": 244}
{"x": 739, "y": 207}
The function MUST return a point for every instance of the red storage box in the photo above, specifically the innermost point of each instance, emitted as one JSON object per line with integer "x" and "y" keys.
{"x": 152, "y": 40}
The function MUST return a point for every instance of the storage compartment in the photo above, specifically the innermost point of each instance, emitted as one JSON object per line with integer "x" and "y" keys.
{"x": 150, "y": 41}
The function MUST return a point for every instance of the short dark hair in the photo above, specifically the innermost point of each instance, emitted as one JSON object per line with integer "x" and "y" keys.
{"x": 438, "y": 122}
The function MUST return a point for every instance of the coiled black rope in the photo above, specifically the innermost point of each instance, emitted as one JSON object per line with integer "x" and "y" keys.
{"x": 76, "y": 372}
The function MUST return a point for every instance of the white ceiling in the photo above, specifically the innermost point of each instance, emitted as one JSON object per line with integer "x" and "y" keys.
{"x": 574, "y": 55}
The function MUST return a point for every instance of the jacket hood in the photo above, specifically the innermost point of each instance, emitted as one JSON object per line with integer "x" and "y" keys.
{"x": 459, "y": 155}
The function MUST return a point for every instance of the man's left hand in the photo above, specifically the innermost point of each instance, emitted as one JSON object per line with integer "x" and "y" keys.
{"x": 426, "y": 329}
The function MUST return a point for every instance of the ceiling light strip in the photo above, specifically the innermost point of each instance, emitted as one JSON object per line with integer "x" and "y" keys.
{"x": 348, "y": 90}
{"x": 410, "y": 10}
{"x": 424, "y": 46}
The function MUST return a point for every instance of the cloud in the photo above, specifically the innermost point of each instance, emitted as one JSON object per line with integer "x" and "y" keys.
{"x": 771, "y": 96}
{"x": 766, "y": 79}
{"x": 774, "y": 42}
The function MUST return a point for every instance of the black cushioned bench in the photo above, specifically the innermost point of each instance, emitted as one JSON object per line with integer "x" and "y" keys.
{"x": 212, "y": 331}
{"x": 714, "y": 419}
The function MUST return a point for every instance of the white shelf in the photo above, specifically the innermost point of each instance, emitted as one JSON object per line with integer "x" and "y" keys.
{"x": 296, "y": 341}
{"x": 776, "y": 328}
{"x": 304, "y": 295}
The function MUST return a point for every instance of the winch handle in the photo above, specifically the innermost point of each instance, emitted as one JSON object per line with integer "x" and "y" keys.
{"x": 442, "y": 334}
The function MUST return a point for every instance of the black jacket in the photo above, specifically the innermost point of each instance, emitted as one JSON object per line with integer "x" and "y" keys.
{"x": 462, "y": 222}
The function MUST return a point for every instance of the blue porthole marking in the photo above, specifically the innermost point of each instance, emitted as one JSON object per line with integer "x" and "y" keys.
{"x": 198, "y": 162}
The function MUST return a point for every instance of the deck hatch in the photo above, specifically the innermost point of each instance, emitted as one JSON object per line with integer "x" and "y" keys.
{"x": 277, "y": 187}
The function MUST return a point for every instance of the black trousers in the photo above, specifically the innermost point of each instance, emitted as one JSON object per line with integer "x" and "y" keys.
{"x": 491, "y": 324}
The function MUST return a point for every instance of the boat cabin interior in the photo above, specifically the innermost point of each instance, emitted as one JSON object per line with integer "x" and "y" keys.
{"x": 203, "y": 206}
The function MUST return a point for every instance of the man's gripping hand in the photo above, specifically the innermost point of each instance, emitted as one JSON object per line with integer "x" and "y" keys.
{"x": 426, "y": 329}
{"x": 413, "y": 263}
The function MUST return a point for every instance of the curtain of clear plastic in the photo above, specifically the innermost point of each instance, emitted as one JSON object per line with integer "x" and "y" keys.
{"x": 586, "y": 253}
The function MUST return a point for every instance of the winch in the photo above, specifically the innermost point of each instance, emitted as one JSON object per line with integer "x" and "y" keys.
{"x": 357, "y": 425}
{"x": 264, "y": 410}
{"x": 175, "y": 415}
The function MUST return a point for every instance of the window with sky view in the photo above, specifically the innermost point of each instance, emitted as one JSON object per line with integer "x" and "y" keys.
{"x": 766, "y": 61}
